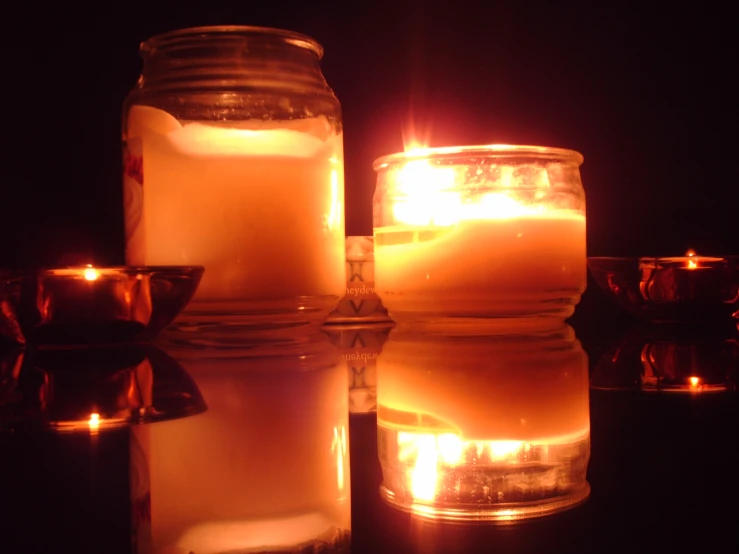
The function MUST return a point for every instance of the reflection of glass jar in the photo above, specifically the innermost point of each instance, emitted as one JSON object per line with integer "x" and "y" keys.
{"x": 671, "y": 358}
{"x": 266, "y": 467}
{"x": 483, "y": 427}
{"x": 233, "y": 160}
{"x": 480, "y": 232}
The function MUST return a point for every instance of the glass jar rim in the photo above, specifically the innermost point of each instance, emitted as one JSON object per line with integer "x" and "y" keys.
{"x": 498, "y": 151}
{"x": 291, "y": 37}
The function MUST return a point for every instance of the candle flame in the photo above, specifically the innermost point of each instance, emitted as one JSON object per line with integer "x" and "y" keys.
{"x": 694, "y": 383}
{"x": 94, "y": 422}
{"x": 426, "y": 196}
{"x": 691, "y": 264}
{"x": 91, "y": 273}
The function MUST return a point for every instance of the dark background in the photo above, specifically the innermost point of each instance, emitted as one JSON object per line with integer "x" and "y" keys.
{"x": 647, "y": 94}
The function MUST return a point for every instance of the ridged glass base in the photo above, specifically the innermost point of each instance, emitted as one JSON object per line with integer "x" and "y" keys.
{"x": 246, "y": 323}
{"x": 482, "y": 307}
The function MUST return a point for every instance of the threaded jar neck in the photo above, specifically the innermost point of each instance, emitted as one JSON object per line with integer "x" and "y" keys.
{"x": 232, "y": 58}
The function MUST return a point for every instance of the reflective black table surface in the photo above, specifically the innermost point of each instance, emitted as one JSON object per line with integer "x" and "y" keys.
{"x": 662, "y": 470}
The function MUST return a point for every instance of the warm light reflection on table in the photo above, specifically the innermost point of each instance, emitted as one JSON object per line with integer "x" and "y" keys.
{"x": 475, "y": 427}
{"x": 266, "y": 467}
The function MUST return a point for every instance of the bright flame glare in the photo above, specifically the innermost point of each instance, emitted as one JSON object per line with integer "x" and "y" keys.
{"x": 91, "y": 274}
{"x": 94, "y": 422}
{"x": 694, "y": 383}
{"x": 426, "y": 452}
{"x": 427, "y": 197}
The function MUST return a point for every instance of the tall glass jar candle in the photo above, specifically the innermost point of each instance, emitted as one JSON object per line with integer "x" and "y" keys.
{"x": 233, "y": 160}
{"x": 492, "y": 233}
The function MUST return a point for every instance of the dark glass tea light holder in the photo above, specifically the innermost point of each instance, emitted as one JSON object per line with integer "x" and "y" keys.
{"x": 678, "y": 289}
{"x": 671, "y": 358}
{"x": 93, "y": 305}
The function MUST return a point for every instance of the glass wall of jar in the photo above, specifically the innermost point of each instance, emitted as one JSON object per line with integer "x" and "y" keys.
{"x": 480, "y": 232}
{"x": 233, "y": 160}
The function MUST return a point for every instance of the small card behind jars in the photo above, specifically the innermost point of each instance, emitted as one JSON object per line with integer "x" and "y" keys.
{"x": 361, "y": 304}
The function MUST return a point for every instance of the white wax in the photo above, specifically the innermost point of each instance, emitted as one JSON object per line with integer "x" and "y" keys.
{"x": 261, "y": 207}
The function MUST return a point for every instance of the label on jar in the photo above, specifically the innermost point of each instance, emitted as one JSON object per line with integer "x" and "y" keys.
{"x": 133, "y": 199}
{"x": 360, "y": 290}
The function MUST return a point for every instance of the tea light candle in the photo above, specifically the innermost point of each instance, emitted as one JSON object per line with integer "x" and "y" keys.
{"x": 690, "y": 278}
{"x": 259, "y": 204}
{"x": 471, "y": 233}
{"x": 691, "y": 261}
{"x": 667, "y": 358}
{"x": 92, "y": 295}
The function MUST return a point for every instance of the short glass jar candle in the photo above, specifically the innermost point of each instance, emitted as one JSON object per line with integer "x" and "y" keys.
{"x": 480, "y": 232}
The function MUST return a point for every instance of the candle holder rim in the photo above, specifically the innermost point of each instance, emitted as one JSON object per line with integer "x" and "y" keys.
{"x": 502, "y": 151}
{"x": 291, "y": 37}
{"x": 732, "y": 258}
{"x": 10, "y": 274}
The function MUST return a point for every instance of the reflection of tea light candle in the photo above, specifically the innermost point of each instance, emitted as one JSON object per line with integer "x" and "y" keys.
{"x": 259, "y": 204}
{"x": 463, "y": 404}
{"x": 688, "y": 366}
{"x": 452, "y": 252}
{"x": 266, "y": 467}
